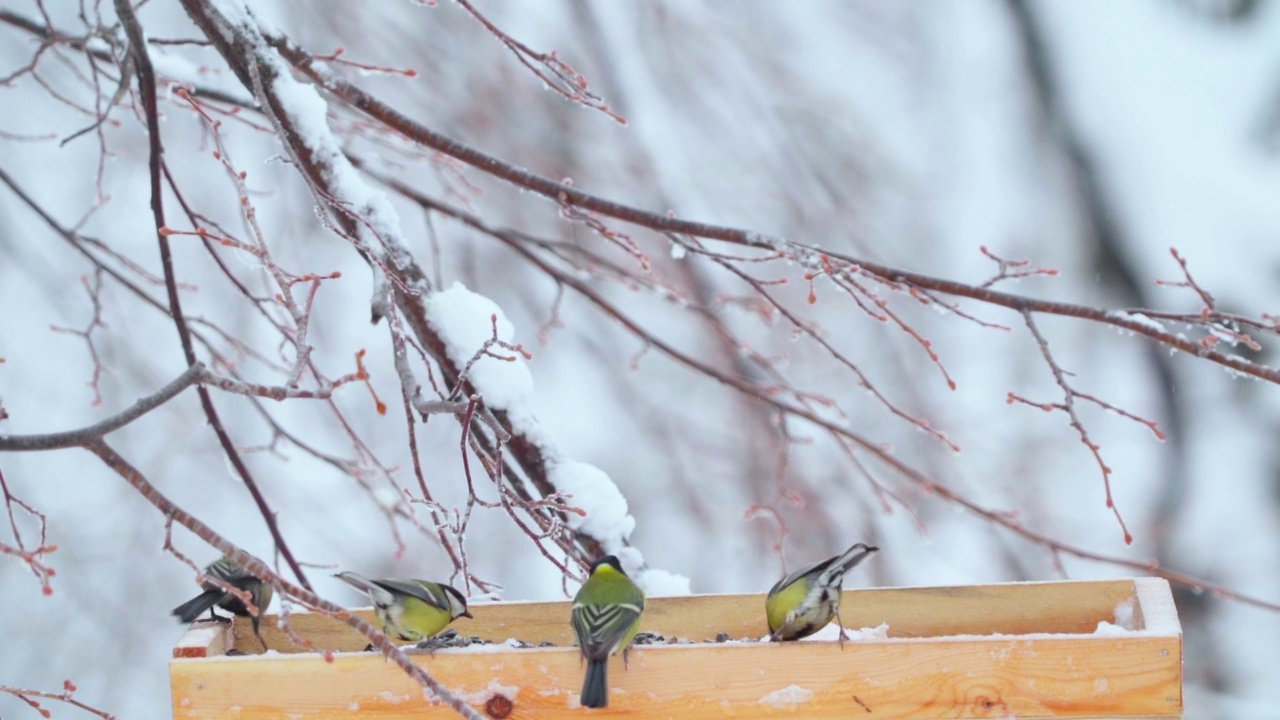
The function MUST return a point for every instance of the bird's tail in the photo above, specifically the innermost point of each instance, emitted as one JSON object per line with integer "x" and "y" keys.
{"x": 595, "y": 686}
{"x": 357, "y": 581}
{"x": 188, "y": 611}
{"x": 851, "y": 557}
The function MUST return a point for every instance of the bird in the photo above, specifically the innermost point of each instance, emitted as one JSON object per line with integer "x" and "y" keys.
{"x": 228, "y": 571}
{"x": 803, "y": 602}
{"x": 606, "y": 617}
{"x": 412, "y": 610}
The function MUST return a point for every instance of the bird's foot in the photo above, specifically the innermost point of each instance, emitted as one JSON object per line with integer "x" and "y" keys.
{"x": 843, "y": 636}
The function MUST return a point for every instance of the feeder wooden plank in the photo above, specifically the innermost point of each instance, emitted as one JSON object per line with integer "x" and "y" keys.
{"x": 205, "y": 638}
{"x": 941, "y": 661}
{"x": 1027, "y": 678}
{"x": 1010, "y": 609}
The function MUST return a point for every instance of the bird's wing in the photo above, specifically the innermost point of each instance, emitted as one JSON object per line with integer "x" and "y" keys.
{"x": 429, "y": 593}
{"x": 230, "y": 572}
{"x": 813, "y": 569}
{"x": 601, "y": 627}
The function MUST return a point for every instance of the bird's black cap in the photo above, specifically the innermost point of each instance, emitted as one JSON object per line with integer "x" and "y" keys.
{"x": 611, "y": 560}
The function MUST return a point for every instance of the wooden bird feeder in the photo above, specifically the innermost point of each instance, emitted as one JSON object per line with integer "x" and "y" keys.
{"x": 1026, "y": 650}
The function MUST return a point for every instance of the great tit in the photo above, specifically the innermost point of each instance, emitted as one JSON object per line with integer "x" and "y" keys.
{"x": 228, "y": 571}
{"x": 413, "y": 610}
{"x": 606, "y": 616}
{"x": 803, "y": 602}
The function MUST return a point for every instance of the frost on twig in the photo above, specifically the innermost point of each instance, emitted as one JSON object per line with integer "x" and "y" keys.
{"x": 94, "y": 289}
{"x": 548, "y": 67}
{"x": 33, "y": 554}
{"x": 1068, "y": 406}
{"x": 33, "y": 699}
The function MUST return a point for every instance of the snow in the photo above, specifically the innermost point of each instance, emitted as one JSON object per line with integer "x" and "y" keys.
{"x": 1109, "y": 630}
{"x": 1138, "y": 319}
{"x": 236, "y": 13}
{"x": 658, "y": 583}
{"x": 465, "y": 321}
{"x": 879, "y": 632}
{"x": 203, "y": 635}
{"x": 378, "y": 224}
{"x": 787, "y": 698}
{"x": 832, "y": 633}
{"x": 1159, "y": 614}
{"x": 1124, "y": 612}
{"x": 591, "y": 490}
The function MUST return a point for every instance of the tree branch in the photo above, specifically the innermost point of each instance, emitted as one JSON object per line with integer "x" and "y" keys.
{"x": 809, "y": 256}
{"x": 147, "y": 89}
{"x": 76, "y": 438}
{"x": 519, "y": 242}
{"x": 255, "y": 566}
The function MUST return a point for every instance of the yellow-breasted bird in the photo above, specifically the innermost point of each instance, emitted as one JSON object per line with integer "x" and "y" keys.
{"x": 228, "y": 571}
{"x": 412, "y": 610}
{"x": 606, "y": 616}
{"x": 803, "y": 602}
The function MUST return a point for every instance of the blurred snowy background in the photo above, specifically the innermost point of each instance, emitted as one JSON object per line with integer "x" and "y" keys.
{"x": 1088, "y": 136}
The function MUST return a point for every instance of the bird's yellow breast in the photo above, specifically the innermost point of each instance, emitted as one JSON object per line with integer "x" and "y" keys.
{"x": 786, "y": 600}
{"x": 418, "y": 620}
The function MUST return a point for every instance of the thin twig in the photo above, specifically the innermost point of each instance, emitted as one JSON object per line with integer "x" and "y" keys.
{"x": 147, "y": 90}
{"x": 260, "y": 569}
{"x": 77, "y": 438}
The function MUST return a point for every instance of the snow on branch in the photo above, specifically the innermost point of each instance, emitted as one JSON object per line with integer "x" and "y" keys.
{"x": 463, "y": 331}
{"x": 472, "y": 326}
